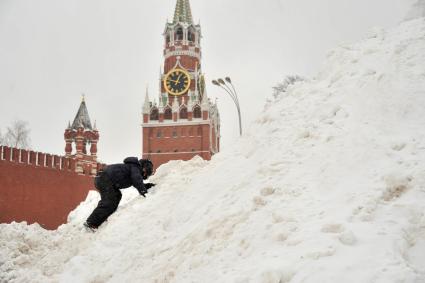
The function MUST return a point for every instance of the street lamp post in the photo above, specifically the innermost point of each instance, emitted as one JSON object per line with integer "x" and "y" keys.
{"x": 232, "y": 92}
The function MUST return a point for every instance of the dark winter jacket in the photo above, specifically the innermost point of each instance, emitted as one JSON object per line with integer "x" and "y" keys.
{"x": 127, "y": 174}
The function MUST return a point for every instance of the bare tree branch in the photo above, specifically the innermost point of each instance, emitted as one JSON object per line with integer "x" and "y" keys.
{"x": 18, "y": 135}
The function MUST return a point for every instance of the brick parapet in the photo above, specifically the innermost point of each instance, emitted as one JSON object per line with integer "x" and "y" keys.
{"x": 31, "y": 158}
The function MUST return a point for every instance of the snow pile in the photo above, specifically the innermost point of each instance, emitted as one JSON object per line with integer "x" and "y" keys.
{"x": 417, "y": 10}
{"x": 327, "y": 186}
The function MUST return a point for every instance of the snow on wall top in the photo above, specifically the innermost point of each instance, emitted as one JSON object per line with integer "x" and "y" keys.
{"x": 326, "y": 186}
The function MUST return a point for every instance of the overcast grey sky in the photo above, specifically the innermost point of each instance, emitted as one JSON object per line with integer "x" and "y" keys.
{"x": 51, "y": 51}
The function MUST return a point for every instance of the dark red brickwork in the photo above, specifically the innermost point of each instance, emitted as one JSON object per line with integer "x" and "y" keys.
{"x": 189, "y": 62}
{"x": 166, "y": 157}
{"x": 165, "y": 143}
{"x": 38, "y": 187}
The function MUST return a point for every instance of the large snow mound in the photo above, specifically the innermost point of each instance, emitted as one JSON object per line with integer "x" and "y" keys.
{"x": 328, "y": 185}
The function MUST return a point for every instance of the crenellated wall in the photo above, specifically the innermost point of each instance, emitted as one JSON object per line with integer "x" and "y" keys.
{"x": 40, "y": 187}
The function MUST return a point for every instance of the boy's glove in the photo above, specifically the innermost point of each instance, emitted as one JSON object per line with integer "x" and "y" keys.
{"x": 143, "y": 192}
{"x": 149, "y": 185}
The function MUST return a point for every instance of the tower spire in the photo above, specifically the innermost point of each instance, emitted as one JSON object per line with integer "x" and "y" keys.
{"x": 82, "y": 118}
{"x": 183, "y": 14}
{"x": 146, "y": 105}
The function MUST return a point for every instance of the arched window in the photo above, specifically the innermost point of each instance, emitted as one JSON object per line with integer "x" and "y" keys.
{"x": 174, "y": 133}
{"x": 158, "y": 134}
{"x": 191, "y": 36}
{"x": 183, "y": 113}
{"x": 154, "y": 114}
{"x": 191, "y": 132}
{"x": 179, "y": 34}
{"x": 168, "y": 115}
{"x": 199, "y": 131}
{"x": 197, "y": 112}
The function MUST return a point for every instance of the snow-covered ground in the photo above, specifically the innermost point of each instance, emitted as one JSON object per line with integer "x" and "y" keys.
{"x": 328, "y": 185}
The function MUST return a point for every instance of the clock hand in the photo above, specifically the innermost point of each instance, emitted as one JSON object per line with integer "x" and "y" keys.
{"x": 177, "y": 80}
{"x": 173, "y": 81}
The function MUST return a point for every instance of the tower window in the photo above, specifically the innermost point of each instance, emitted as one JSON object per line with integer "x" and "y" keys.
{"x": 174, "y": 133}
{"x": 168, "y": 115}
{"x": 154, "y": 114}
{"x": 183, "y": 113}
{"x": 191, "y": 36}
{"x": 179, "y": 34}
{"x": 197, "y": 112}
{"x": 159, "y": 134}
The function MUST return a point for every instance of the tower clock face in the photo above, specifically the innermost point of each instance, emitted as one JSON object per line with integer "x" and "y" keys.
{"x": 177, "y": 81}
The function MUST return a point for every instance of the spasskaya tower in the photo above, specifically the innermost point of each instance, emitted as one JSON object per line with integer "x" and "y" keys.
{"x": 183, "y": 122}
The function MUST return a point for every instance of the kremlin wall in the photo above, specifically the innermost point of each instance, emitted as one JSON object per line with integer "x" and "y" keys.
{"x": 39, "y": 187}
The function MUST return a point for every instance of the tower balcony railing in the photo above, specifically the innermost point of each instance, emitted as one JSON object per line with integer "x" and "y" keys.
{"x": 181, "y": 43}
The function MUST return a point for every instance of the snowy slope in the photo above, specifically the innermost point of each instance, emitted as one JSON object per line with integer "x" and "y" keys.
{"x": 417, "y": 10}
{"x": 328, "y": 185}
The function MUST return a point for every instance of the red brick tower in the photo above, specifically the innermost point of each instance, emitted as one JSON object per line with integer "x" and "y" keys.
{"x": 82, "y": 134}
{"x": 184, "y": 122}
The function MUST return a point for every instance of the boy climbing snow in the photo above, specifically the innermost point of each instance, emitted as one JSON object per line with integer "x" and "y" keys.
{"x": 113, "y": 178}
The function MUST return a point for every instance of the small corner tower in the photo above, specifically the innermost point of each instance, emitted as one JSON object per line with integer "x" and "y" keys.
{"x": 184, "y": 123}
{"x": 82, "y": 134}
